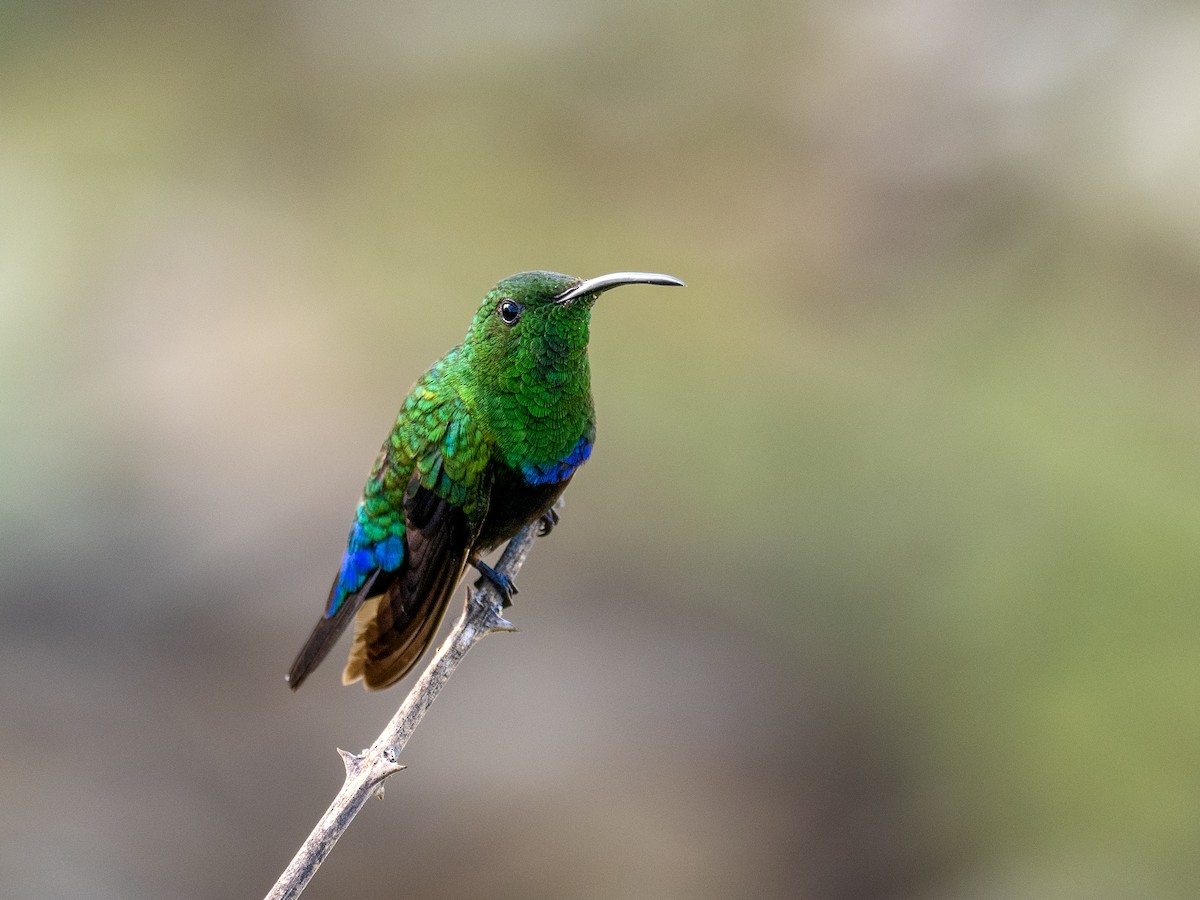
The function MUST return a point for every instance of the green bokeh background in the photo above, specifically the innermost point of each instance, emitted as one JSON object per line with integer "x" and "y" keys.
{"x": 882, "y": 580}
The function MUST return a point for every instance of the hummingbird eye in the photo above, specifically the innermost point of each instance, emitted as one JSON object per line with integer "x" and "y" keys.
{"x": 510, "y": 311}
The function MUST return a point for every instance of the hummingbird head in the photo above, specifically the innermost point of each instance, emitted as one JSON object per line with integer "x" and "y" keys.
{"x": 539, "y": 320}
{"x": 526, "y": 350}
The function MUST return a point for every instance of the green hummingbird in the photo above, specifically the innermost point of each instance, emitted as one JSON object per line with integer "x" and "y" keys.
{"x": 486, "y": 442}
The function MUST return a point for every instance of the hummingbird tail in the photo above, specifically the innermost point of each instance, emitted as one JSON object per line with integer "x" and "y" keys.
{"x": 324, "y": 635}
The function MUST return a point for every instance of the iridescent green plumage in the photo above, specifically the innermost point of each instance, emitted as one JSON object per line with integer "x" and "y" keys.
{"x": 486, "y": 441}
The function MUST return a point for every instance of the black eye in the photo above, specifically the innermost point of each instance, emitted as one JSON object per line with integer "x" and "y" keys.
{"x": 510, "y": 311}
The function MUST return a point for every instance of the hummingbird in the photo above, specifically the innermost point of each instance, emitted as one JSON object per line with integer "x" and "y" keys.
{"x": 485, "y": 443}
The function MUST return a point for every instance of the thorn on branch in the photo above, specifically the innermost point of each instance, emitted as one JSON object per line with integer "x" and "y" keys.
{"x": 487, "y": 610}
{"x": 352, "y": 761}
{"x": 386, "y": 766}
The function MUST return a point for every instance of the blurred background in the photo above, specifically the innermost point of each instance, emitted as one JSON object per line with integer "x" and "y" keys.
{"x": 882, "y": 580}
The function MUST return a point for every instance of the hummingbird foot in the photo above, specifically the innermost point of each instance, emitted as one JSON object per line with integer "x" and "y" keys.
{"x": 502, "y": 583}
{"x": 547, "y": 522}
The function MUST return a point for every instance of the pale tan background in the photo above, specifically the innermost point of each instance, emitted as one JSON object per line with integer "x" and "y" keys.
{"x": 882, "y": 580}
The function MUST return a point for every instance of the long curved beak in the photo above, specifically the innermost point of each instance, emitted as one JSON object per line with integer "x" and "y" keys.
{"x": 616, "y": 279}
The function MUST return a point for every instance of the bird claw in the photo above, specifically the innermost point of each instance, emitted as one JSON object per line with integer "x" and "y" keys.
{"x": 547, "y": 522}
{"x": 502, "y": 583}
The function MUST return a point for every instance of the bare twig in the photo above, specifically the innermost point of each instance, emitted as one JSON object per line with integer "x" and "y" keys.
{"x": 366, "y": 772}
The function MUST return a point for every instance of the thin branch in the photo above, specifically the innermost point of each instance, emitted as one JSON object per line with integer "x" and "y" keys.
{"x": 366, "y": 771}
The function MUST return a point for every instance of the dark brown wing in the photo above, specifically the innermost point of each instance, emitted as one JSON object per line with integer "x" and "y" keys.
{"x": 392, "y": 629}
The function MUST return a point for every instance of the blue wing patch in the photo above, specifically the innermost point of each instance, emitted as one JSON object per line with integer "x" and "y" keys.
{"x": 362, "y": 557}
